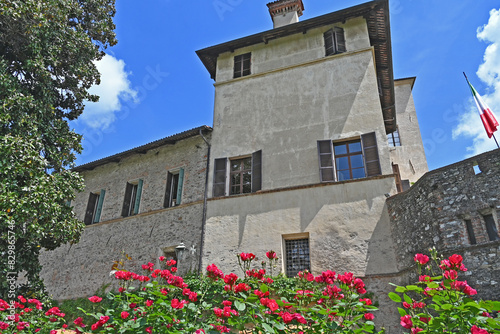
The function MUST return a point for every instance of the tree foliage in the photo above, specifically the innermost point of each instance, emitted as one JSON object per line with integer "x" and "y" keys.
{"x": 47, "y": 54}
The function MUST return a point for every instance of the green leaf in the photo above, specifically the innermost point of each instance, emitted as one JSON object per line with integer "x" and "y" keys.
{"x": 413, "y": 288}
{"x": 239, "y": 305}
{"x": 402, "y": 312}
{"x": 446, "y": 306}
{"x": 407, "y": 299}
{"x": 264, "y": 288}
{"x": 400, "y": 289}
{"x": 268, "y": 328}
{"x": 394, "y": 297}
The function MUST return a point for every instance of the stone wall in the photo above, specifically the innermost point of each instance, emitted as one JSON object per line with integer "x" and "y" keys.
{"x": 434, "y": 211}
{"x": 79, "y": 270}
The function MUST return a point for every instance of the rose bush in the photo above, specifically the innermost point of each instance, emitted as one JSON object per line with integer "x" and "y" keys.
{"x": 159, "y": 301}
{"x": 439, "y": 302}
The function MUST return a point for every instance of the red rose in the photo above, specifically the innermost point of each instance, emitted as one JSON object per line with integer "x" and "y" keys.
{"x": 366, "y": 301}
{"x": 406, "y": 322}
{"x": 476, "y": 330}
{"x": 455, "y": 260}
{"x": 416, "y": 330}
{"x": 271, "y": 255}
{"x": 369, "y": 316}
{"x": 124, "y": 315}
{"x": 95, "y": 299}
{"x": 149, "y": 330}
{"x": 421, "y": 258}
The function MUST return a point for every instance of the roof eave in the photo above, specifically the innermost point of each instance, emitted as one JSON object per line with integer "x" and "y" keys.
{"x": 143, "y": 149}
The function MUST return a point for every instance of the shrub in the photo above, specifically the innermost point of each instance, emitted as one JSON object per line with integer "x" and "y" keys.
{"x": 439, "y": 302}
{"x": 159, "y": 301}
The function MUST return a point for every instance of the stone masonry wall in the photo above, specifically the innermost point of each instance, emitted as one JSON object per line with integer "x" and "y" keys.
{"x": 434, "y": 211}
{"x": 79, "y": 270}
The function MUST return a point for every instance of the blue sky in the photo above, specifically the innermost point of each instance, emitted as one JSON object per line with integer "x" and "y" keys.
{"x": 154, "y": 85}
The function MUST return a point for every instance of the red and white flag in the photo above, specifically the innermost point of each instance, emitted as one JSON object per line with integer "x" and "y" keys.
{"x": 489, "y": 121}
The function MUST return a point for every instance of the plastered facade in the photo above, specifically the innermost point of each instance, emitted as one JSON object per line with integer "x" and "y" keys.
{"x": 410, "y": 156}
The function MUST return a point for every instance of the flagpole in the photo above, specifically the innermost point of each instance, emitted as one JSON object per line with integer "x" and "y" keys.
{"x": 496, "y": 140}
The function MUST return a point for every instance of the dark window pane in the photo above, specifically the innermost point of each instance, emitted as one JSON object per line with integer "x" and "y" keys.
{"x": 235, "y": 179}
{"x": 297, "y": 256}
{"x": 235, "y": 190}
{"x": 247, "y": 178}
{"x": 235, "y": 165}
{"x": 247, "y": 188}
{"x": 357, "y": 161}
{"x": 247, "y": 163}
{"x": 340, "y": 149}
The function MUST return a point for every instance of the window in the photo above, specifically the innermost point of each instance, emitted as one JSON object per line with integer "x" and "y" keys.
{"x": 94, "y": 208}
{"x": 334, "y": 41}
{"x": 491, "y": 227}
{"x": 470, "y": 231}
{"x": 296, "y": 254}
{"x": 347, "y": 160}
{"x": 242, "y": 65}
{"x": 132, "y": 198}
{"x": 173, "y": 192}
{"x": 245, "y": 175}
{"x": 393, "y": 139}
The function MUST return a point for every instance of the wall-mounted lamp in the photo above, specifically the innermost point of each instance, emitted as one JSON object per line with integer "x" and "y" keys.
{"x": 179, "y": 251}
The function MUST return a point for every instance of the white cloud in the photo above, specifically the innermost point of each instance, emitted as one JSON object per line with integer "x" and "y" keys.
{"x": 112, "y": 91}
{"x": 470, "y": 124}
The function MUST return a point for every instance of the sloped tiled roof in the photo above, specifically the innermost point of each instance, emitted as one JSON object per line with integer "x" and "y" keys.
{"x": 170, "y": 140}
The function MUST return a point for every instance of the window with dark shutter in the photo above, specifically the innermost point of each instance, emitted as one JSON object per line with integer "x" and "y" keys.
{"x": 470, "y": 232}
{"x": 334, "y": 41}
{"x": 132, "y": 199}
{"x": 220, "y": 177}
{"x": 100, "y": 202}
{"x": 326, "y": 165}
{"x": 242, "y": 64}
{"x": 137, "y": 199}
{"x": 173, "y": 192}
{"x": 256, "y": 171}
{"x": 491, "y": 227}
{"x": 127, "y": 200}
{"x": 180, "y": 183}
{"x": 91, "y": 209}
{"x": 370, "y": 153}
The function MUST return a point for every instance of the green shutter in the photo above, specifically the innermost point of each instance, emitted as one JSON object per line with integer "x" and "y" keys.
{"x": 98, "y": 211}
{"x": 179, "y": 186}
{"x": 138, "y": 197}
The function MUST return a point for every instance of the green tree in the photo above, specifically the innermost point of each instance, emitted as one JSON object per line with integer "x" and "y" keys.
{"x": 47, "y": 54}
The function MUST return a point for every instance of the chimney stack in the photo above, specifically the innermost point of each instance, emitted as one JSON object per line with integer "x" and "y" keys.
{"x": 284, "y": 12}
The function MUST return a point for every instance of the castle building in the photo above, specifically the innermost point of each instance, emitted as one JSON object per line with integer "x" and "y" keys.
{"x": 315, "y": 152}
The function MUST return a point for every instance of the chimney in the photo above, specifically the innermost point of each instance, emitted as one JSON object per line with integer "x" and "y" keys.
{"x": 284, "y": 12}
